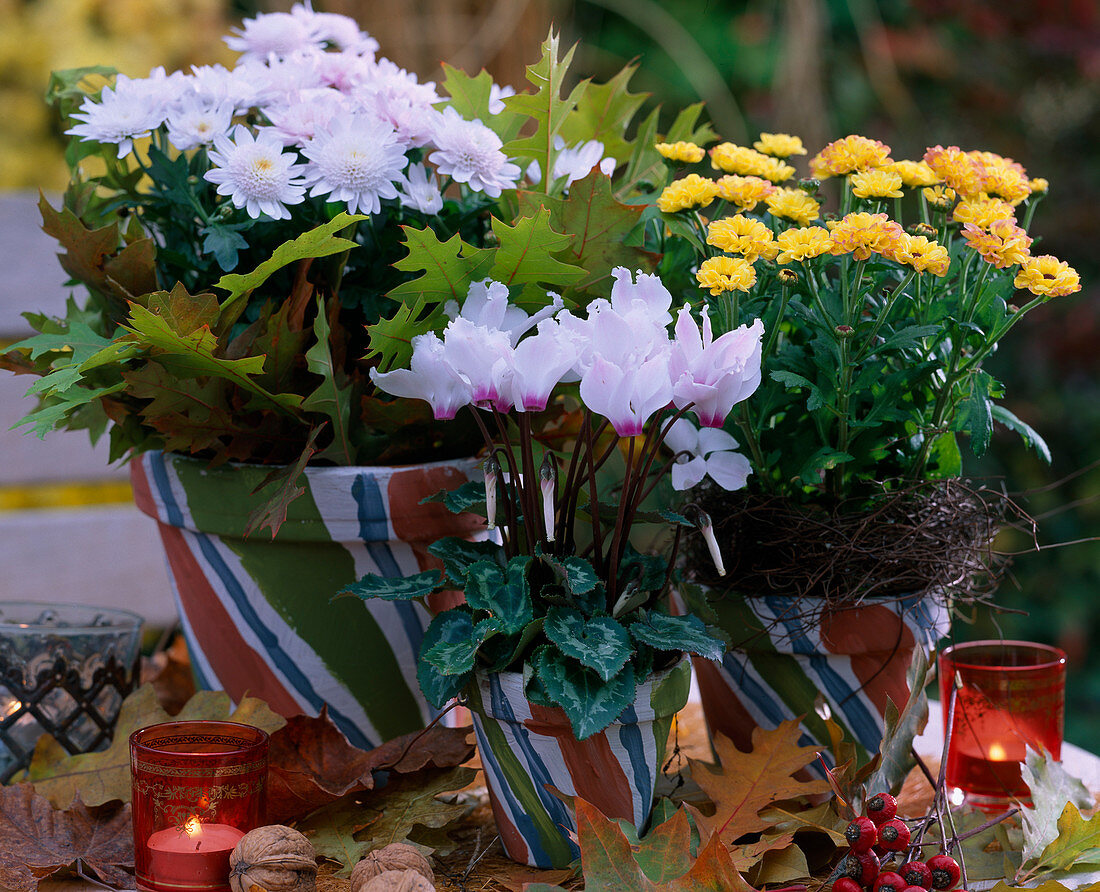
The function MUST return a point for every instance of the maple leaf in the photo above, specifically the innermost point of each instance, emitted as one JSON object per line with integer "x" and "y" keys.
{"x": 190, "y": 415}
{"x": 105, "y": 776}
{"x": 183, "y": 312}
{"x": 37, "y": 840}
{"x": 1077, "y": 842}
{"x": 526, "y": 253}
{"x": 603, "y": 112}
{"x": 272, "y": 513}
{"x": 1052, "y": 787}
{"x": 743, "y": 784}
{"x": 448, "y": 266}
{"x": 347, "y": 829}
{"x": 470, "y": 98}
{"x": 334, "y": 396}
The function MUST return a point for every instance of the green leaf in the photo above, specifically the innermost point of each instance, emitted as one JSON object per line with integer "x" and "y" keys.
{"x": 470, "y": 98}
{"x": 462, "y": 498}
{"x": 333, "y": 397}
{"x": 190, "y": 414}
{"x": 458, "y": 555}
{"x": 391, "y": 339}
{"x": 1052, "y": 788}
{"x": 525, "y": 255}
{"x": 575, "y": 573}
{"x": 319, "y": 242}
{"x": 977, "y": 412}
{"x": 590, "y": 703}
{"x": 504, "y": 593}
{"x": 1029, "y": 434}
{"x": 272, "y": 513}
{"x": 901, "y": 727}
{"x": 604, "y": 112}
{"x": 676, "y": 633}
{"x": 395, "y": 588}
{"x": 599, "y": 643}
{"x": 455, "y": 643}
{"x": 225, "y": 243}
{"x": 545, "y": 107}
{"x": 449, "y": 267}
{"x": 58, "y": 408}
{"x": 437, "y": 687}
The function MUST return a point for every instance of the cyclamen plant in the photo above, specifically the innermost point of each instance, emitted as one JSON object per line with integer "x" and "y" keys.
{"x": 563, "y": 595}
{"x": 877, "y": 330}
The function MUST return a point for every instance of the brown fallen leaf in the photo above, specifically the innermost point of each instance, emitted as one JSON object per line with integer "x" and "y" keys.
{"x": 105, "y": 776}
{"x": 743, "y": 784}
{"x": 437, "y": 747}
{"x": 37, "y": 840}
{"x": 169, "y": 672}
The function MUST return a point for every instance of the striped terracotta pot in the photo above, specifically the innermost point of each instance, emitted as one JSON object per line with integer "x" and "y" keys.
{"x": 526, "y": 748}
{"x": 257, "y": 613}
{"x": 782, "y": 660}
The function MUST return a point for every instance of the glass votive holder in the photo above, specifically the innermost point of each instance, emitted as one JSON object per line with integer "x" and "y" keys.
{"x": 64, "y": 670}
{"x": 198, "y": 787}
{"x": 1010, "y": 695}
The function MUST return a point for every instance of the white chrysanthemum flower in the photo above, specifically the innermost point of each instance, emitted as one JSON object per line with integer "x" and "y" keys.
{"x": 469, "y": 152}
{"x": 256, "y": 173}
{"x": 128, "y": 110}
{"x": 337, "y": 30}
{"x": 344, "y": 71}
{"x": 299, "y": 120}
{"x": 358, "y": 161}
{"x": 282, "y": 79}
{"x": 270, "y": 34}
{"x": 193, "y": 123}
{"x": 497, "y": 95}
{"x": 421, "y": 191}
{"x": 213, "y": 84}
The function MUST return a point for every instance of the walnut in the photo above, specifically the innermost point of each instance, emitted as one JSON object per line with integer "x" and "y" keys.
{"x": 273, "y": 859}
{"x": 398, "y": 881}
{"x": 395, "y": 856}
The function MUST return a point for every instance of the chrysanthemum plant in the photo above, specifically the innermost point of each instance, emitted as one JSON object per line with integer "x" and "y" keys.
{"x": 879, "y": 313}
{"x": 559, "y": 592}
{"x": 252, "y": 241}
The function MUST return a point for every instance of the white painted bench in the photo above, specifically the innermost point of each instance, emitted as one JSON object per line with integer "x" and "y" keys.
{"x": 107, "y": 554}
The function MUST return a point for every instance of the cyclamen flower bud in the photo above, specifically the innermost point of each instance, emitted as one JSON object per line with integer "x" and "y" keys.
{"x": 492, "y": 474}
{"x": 546, "y": 483}
{"x": 706, "y": 527}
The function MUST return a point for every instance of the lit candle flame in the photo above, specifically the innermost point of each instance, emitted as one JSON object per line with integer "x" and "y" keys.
{"x": 997, "y": 753}
{"x": 193, "y": 827}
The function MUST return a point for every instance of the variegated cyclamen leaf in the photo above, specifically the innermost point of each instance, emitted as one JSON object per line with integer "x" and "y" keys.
{"x": 396, "y": 588}
{"x": 458, "y": 555}
{"x": 458, "y": 640}
{"x": 600, "y": 643}
{"x": 503, "y": 593}
{"x": 677, "y": 633}
{"x": 577, "y": 575}
{"x": 590, "y": 703}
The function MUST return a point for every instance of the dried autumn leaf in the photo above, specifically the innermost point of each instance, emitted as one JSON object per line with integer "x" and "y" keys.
{"x": 105, "y": 776}
{"x": 743, "y": 784}
{"x": 37, "y": 840}
{"x": 169, "y": 672}
{"x": 1078, "y": 842}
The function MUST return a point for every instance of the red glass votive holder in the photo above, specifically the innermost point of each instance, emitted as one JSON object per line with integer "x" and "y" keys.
{"x": 1010, "y": 696}
{"x": 198, "y": 787}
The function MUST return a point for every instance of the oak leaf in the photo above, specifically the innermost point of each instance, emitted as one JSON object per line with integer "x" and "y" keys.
{"x": 37, "y": 840}
{"x": 743, "y": 784}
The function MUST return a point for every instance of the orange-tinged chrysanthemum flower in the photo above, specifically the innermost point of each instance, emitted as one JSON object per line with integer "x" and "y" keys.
{"x": 1010, "y": 184}
{"x": 958, "y": 169}
{"x": 914, "y": 174}
{"x": 1039, "y": 185}
{"x": 864, "y": 234}
{"x": 923, "y": 254}
{"x": 1003, "y": 244}
{"x": 1048, "y": 276}
{"x": 720, "y": 274}
{"x": 796, "y": 245}
{"x": 745, "y": 192}
{"x": 692, "y": 191}
{"x": 850, "y": 154}
{"x": 779, "y": 145}
{"x": 983, "y": 211}
{"x": 687, "y": 152}
{"x": 793, "y": 204}
{"x": 882, "y": 183}
{"x": 744, "y": 161}
{"x": 742, "y": 235}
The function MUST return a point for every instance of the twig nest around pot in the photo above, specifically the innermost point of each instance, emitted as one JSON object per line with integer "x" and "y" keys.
{"x": 273, "y": 859}
{"x": 395, "y": 857}
{"x": 397, "y": 881}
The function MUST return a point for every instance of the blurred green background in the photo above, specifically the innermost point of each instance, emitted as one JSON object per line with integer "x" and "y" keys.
{"x": 1014, "y": 77}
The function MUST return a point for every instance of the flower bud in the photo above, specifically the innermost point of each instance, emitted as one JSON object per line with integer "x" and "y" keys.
{"x": 492, "y": 474}
{"x": 809, "y": 185}
{"x": 705, "y": 526}
{"x": 787, "y": 277}
{"x": 845, "y": 331}
{"x": 923, "y": 229}
{"x": 546, "y": 483}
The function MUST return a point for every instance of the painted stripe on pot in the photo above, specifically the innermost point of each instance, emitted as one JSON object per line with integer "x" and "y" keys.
{"x": 762, "y": 702}
{"x": 631, "y": 739}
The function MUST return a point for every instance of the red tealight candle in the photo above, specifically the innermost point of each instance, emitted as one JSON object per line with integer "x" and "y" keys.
{"x": 195, "y": 856}
{"x": 198, "y": 787}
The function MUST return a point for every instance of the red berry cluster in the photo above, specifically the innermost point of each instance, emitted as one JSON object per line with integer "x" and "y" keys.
{"x": 873, "y": 840}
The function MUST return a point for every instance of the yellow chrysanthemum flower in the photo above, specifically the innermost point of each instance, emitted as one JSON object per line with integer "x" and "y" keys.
{"x": 1039, "y": 184}
{"x": 914, "y": 174}
{"x": 881, "y": 183}
{"x": 1010, "y": 184}
{"x": 692, "y": 191}
{"x": 1003, "y": 244}
{"x": 864, "y": 234}
{"x": 793, "y": 204}
{"x": 686, "y": 152}
{"x": 803, "y": 244}
{"x": 958, "y": 169}
{"x": 1047, "y": 275}
{"x": 742, "y": 235}
{"x": 744, "y": 161}
{"x": 850, "y": 154}
{"x": 719, "y": 274}
{"x": 745, "y": 192}
{"x": 982, "y": 211}
{"x": 779, "y": 145}
{"x": 923, "y": 254}
{"x": 940, "y": 197}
